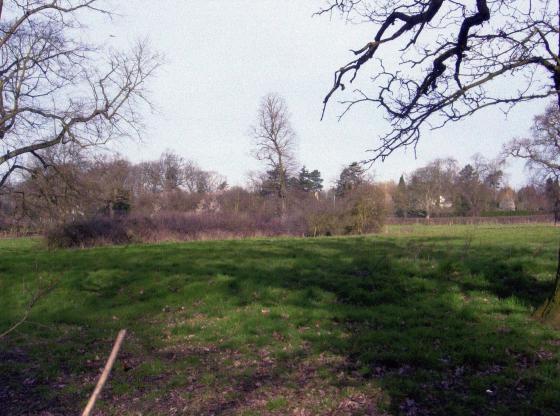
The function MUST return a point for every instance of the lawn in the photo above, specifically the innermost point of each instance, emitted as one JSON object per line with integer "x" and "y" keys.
{"x": 419, "y": 320}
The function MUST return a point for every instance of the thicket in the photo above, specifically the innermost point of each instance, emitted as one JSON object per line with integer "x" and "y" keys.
{"x": 174, "y": 226}
{"x": 363, "y": 212}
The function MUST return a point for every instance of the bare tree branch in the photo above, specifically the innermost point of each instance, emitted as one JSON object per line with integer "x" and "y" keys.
{"x": 56, "y": 90}
{"x": 452, "y": 57}
{"x": 35, "y": 298}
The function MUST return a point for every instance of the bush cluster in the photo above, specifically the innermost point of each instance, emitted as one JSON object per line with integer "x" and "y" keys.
{"x": 167, "y": 227}
{"x": 361, "y": 212}
{"x": 89, "y": 232}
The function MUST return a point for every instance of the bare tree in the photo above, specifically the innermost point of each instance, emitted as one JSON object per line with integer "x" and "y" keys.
{"x": 172, "y": 167}
{"x": 76, "y": 186}
{"x": 197, "y": 180}
{"x": 149, "y": 177}
{"x": 114, "y": 179}
{"x": 542, "y": 150}
{"x": 56, "y": 90}
{"x": 49, "y": 196}
{"x": 275, "y": 140}
{"x": 173, "y": 172}
{"x": 430, "y": 186}
{"x": 492, "y": 175}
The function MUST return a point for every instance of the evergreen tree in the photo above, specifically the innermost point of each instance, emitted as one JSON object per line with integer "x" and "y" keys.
{"x": 350, "y": 178}
{"x": 401, "y": 199}
{"x": 271, "y": 183}
{"x": 309, "y": 181}
{"x": 467, "y": 191}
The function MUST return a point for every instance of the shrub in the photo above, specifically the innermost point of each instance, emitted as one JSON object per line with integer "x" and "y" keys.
{"x": 367, "y": 213}
{"x": 88, "y": 233}
{"x": 359, "y": 212}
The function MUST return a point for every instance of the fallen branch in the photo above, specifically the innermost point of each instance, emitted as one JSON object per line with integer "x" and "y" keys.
{"x": 34, "y": 299}
{"x": 105, "y": 373}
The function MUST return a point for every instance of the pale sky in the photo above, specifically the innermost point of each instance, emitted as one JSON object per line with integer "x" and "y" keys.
{"x": 222, "y": 56}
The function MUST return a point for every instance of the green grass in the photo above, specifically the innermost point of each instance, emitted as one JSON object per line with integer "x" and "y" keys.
{"x": 425, "y": 319}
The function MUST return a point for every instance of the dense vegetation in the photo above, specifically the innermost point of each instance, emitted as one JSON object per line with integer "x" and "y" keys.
{"x": 175, "y": 199}
{"x": 418, "y": 321}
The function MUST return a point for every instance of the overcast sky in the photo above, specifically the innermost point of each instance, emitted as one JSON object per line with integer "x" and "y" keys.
{"x": 222, "y": 56}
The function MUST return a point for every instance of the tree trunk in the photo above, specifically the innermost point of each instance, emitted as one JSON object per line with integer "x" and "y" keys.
{"x": 283, "y": 191}
{"x": 549, "y": 311}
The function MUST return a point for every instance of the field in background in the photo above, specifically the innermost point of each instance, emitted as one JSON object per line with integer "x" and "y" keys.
{"x": 503, "y": 217}
{"x": 418, "y": 320}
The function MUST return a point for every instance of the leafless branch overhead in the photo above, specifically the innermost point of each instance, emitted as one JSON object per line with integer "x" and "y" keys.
{"x": 56, "y": 90}
{"x": 452, "y": 54}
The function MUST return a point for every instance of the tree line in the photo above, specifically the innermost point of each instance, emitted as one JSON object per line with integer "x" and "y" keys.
{"x": 77, "y": 186}
{"x": 444, "y": 188}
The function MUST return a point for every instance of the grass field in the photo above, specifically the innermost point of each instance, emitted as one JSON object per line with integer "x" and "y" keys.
{"x": 420, "y": 320}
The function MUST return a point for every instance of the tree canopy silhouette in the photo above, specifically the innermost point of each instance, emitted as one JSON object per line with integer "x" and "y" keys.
{"x": 452, "y": 56}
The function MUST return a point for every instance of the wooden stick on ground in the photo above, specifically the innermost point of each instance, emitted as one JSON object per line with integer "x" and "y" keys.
{"x": 105, "y": 373}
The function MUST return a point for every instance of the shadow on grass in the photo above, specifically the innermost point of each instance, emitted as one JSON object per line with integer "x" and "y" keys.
{"x": 439, "y": 324}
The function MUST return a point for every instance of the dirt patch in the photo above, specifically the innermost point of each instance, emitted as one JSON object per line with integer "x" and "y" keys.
{"x": 226, "y": 382}
{"x": 21, "y": 384}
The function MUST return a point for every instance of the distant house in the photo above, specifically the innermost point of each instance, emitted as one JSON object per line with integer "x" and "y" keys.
{"x": 506, "y": 200}
{"x": 444, "y": 203}
{"x": 507, "y": 204}
{"x": 441, "y": 202}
